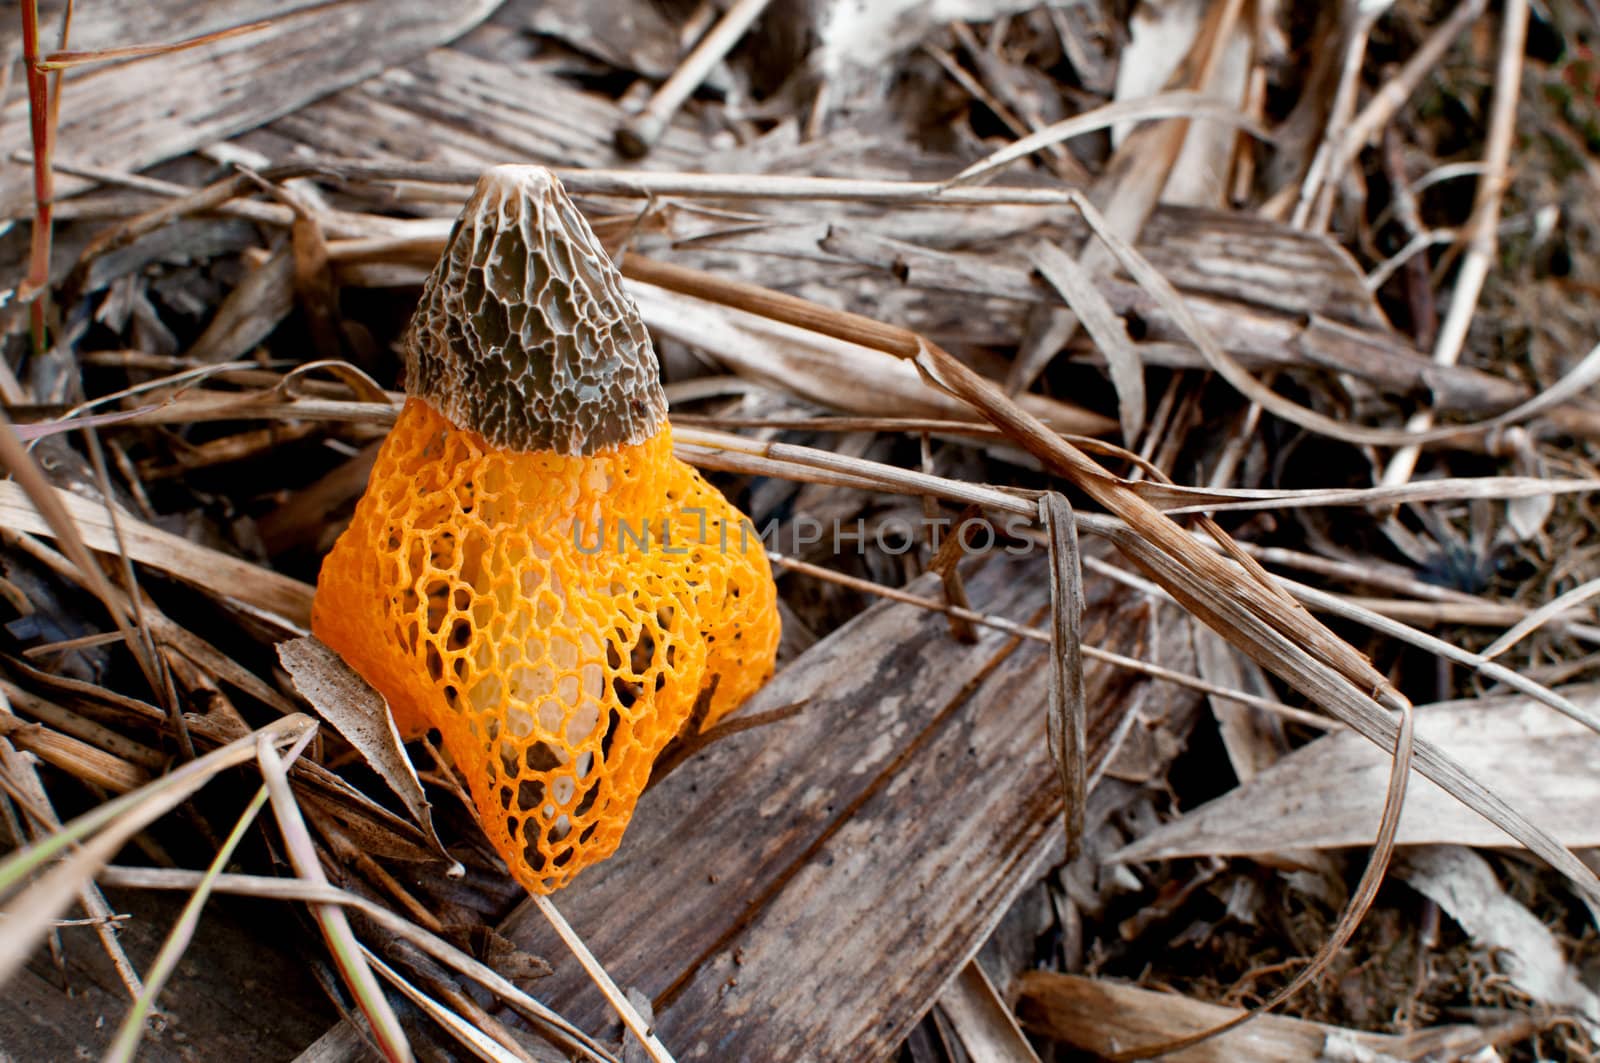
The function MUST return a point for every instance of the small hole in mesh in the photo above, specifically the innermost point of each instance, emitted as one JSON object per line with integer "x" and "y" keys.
{"x": 627, "y": 692}
{"x": 588, "y": 832}
{"x": 438, "y": 593}
{"x": 442, "y": 551}
{"x": 513, "y": 825}
{"x": 540, "y": 757}
{"x": 644, "y": 651}
{"x": 563, "y": 858}
{"x": 615, "y": 719}
{"x": 587, "y": 803}
{"x": 529, "y": 793}
{"x": 452, "y": 695}
{"x": 460, "y": 635}
{"x": 532, "y": 856}
{"x": 435, "y": 662}
{"x": 505, "y": 797}
{"x": 639, "y": 658}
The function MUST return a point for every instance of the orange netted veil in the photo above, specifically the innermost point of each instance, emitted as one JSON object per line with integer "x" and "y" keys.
{"x": 558, "y": 597}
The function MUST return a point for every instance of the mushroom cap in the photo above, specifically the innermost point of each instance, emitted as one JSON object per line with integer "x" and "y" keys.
{"x": 524, "y": 333}
{"x": 531, "y": 572}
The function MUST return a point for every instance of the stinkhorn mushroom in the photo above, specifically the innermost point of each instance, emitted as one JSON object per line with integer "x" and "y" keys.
{"x": 531, "y": 571}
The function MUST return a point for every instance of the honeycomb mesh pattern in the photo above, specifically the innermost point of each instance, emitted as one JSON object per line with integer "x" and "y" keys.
{"x": 559, "y": 620}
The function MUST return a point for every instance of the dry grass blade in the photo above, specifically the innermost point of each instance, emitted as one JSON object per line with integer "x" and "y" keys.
{"x": 168, "y": 633}
{"x": 1175, "y": 499}
{"x": 151, "y": 663}
{"x": 983, "y": 1020}
{"x": 1399, "y": 88}
{"x": 1541, "y": 616}
{"x": 1181, "y": 104}
{"x": 30, "y": 433}
{"x": 845, "y": 376}
{"x": 597, "y": 974}
{"x": 1347, "y": 702}
{"x": 80, "y": 759}
{"x": 347, "y": 954}
{"x": 361, "y": 716}
{"x": 475, "y": 1040}
{"x": 684, "y": 748}
{"x": 287, "y": 599}
{"x": 1154, "y": 671}
{"x": 362, "y": 386}
{"x": 699, "y": 446}
{"x": 1484, "y": 224}
{"x": 1584, "y": 374}
{"x": 1099, "y": 1016}
{"x": 55, "y": 513}
{"x": 29, "y": 915}
{"x": 647, "y": 184}
{"x": 1193, "y": 568}
{"x": 68, "y": 60}
{"x": 1076, "y": 284}
{"x": 864, "y": 473}
{"x": 1069, "y": 713}
{"x": 1366, "y": 891}
{"x": 1316, "y": 199}
{"x": 244, "y": 405}
{"x": 552, "y": 1025}
{"x": 171, "y": 381}
{"x": 41, "y": 132}
{"x": 20, "y": 779}
{"x": 642, "y": 130}
{"x": 126, "y": 1042}
{"x": 1479, "y": 663}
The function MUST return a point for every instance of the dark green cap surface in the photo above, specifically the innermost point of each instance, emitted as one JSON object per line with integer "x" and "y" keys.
{"x": 524, "y": 334}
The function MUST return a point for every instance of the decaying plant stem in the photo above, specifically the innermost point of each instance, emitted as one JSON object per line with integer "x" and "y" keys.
{"x": 38, "y": 281}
